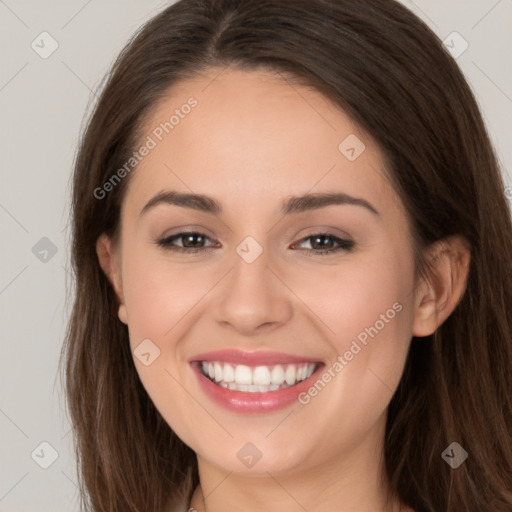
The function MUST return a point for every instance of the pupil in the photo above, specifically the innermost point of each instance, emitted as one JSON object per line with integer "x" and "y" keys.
{"x": 322, "y": 237}
{"x": 188, "y": 238}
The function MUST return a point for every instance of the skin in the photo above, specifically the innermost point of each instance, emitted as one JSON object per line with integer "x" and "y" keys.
{"x": 252, "y": 141}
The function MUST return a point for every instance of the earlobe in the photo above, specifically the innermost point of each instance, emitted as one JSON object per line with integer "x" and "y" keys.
{"x": 122, "y": 314}
{"x": 438, "y": 296}
{"x": 109, "y": 263}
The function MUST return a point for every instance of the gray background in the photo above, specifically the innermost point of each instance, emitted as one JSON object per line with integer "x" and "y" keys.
{"x": 42, "y": 104}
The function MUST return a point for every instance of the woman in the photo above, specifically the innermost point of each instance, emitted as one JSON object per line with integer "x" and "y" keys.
{"x": 292, "y": 252}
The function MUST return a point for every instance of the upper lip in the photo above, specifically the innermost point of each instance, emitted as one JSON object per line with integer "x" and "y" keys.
{"x": 254, "y": 358}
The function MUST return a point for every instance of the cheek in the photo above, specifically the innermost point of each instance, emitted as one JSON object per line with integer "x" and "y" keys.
{"x": 357, "y": 296}
{"x": 364, "y": 308}
{"x": 160, "y": 294}
{"x": 160, "y": 300}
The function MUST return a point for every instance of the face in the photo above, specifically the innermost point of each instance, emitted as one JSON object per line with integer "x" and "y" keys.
{"x": 310, "y": 302}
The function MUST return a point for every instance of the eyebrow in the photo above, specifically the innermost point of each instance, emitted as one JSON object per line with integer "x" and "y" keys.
{"x": 293, "y": 204}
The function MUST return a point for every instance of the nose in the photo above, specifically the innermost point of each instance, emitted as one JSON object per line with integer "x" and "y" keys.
{"x": 252, "y": 299}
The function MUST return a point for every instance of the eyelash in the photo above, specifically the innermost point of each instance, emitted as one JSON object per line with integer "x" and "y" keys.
{"x": 343, "y": 245}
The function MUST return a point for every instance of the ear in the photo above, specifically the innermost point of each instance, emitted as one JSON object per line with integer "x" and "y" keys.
{"x": 437, "y": 297}
{"x": 110, "y": 263}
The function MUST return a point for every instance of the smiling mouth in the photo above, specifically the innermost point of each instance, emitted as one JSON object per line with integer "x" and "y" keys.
{"x": 256, "y": 379}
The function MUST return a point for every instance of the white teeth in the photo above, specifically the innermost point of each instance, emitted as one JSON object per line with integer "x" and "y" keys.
{"x": 256, "y": 379}
{"x": 277, "y": 375}
{"x": 290, "y": 374}
{"x": 243, "y": 374}
{"x": 218, "y": 371}
{"x": 229, "y": 373}
{"x": 261, "y": 375}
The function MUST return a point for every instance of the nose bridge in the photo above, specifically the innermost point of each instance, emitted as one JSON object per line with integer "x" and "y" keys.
{"x": 250, "y": 264}
{"x": 252, "y": 295}
{"x": 250, "y": 279}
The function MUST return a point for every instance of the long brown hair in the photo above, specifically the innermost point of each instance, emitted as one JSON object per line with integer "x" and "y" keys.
{"x": 392, "y": 75}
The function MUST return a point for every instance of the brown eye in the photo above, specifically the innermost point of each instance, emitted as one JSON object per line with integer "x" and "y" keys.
{"x": 193, "y": 242}
{"x": 322, "y": 243}
{"x": 190, "y": 242}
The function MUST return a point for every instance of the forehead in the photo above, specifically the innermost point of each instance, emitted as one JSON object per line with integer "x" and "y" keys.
{"x": 254, "y": 135}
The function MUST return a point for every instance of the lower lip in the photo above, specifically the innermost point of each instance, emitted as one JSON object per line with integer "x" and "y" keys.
{"x": 246, "y": 402}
